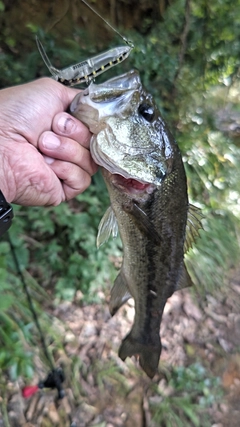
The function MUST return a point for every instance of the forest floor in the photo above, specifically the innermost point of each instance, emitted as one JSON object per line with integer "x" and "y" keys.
{"x": 200, "y": 335}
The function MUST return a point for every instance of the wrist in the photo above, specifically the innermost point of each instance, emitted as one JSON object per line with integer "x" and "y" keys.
{"x": 6, "y": 214}
{"x": 4, "y": 187}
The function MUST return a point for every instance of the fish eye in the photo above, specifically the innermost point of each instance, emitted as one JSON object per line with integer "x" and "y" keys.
{"x": 146, "y": 111}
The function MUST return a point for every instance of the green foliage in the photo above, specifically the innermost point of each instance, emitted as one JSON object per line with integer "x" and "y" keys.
{"x": 184, "y": 401}
{"x": 211, "y": 255}
{"x": 15, "y": 328}
{"x": 62, "y": 250}
{"x": 109, "y": 376}
{"x": 20, "y": 66}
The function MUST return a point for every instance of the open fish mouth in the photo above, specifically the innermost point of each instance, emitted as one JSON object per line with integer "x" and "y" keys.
{"x": 131, "y": 185}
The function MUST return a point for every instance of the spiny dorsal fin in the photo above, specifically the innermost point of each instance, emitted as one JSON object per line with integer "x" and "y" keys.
{"x": 108, "y": 225}
{"x": 193, "y": 226}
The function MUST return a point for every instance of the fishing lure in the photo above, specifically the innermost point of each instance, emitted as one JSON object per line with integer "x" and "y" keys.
{"x": 85, "y": 71}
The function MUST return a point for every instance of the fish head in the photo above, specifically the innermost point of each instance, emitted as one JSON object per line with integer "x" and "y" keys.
{"x": 130, "y": 139}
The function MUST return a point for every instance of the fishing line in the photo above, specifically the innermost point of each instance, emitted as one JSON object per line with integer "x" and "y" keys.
{"x": 55, "y": 378}
{"x": 30, "y": 302}
{"x": 128, "y": 42}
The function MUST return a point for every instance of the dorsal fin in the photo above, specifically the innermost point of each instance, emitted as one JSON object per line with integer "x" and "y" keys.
{"x": 193, "y": 226}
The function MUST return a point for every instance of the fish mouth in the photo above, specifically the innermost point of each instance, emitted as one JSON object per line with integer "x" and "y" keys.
{"x": 131, "y": 185}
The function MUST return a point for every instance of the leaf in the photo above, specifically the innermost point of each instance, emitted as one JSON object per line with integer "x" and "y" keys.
{"x": 6, "y": 301}
{"x": 190, "y": 411}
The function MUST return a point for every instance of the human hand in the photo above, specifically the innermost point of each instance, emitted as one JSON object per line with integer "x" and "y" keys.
{"x": 44, "y": 152}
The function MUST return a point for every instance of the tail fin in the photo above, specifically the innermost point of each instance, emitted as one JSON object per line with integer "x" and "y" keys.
{"x": 148, "y": 355}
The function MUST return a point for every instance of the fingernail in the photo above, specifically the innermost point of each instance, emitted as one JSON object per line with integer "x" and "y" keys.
{"x": 74, "y": 104}
{"x": 48, "y": 160}
{"x": 50, "y": 141}
{"x": 66, "y": 125}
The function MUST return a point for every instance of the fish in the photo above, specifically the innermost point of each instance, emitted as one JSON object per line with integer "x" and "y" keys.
{"x": 144, "y": 173}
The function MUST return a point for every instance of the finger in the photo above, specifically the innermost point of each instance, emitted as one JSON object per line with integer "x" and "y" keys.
{"x": 66, "y": 125}
{"x": 67, "y": 150}
{"x": 74, "y": 179}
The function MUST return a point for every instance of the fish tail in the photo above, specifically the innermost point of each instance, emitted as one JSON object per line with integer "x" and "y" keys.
{"x": 148, "y": 355}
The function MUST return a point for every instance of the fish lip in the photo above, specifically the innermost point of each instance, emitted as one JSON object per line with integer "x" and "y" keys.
{"x": 131, "y": 185}
{"x": 125, "y": 82}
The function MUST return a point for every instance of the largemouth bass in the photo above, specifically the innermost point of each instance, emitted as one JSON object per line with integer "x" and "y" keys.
{"x": 144, "y": 173}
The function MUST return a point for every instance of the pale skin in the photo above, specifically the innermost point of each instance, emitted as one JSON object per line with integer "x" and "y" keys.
{"x": 44, "y": 152}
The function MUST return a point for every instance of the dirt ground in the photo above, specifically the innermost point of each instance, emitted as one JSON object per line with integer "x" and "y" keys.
{"x": 103, "y": 391}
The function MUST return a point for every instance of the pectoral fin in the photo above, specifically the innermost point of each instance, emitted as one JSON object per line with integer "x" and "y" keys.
{"x": 142, "y": 221}
{"x": 119, "y": 294}
{"x": 107, "y": 226}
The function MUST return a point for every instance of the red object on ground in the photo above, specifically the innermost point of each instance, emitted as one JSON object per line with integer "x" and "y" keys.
{"x": 29, "y": 390}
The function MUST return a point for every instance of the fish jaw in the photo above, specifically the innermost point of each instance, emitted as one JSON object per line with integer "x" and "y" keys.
{"x": 97, "y": 102}
{"x": 118, "y": 158}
